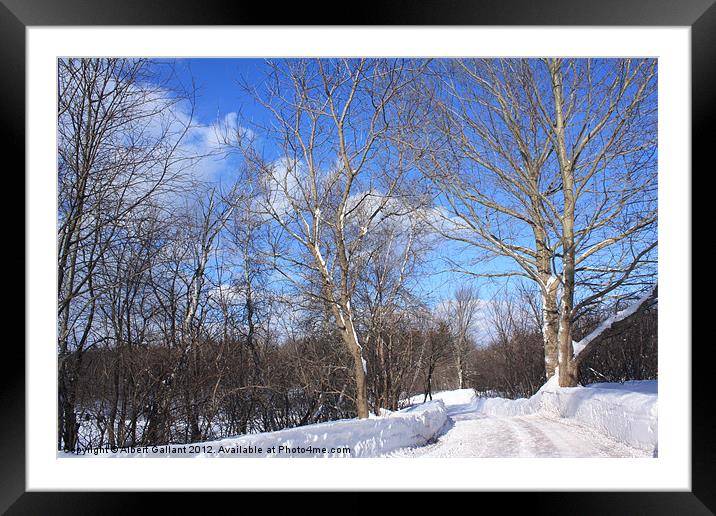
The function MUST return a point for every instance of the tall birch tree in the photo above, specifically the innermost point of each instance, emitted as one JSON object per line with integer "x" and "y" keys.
{"x": 548, "y": 168}
{"x": 331, "y": 121}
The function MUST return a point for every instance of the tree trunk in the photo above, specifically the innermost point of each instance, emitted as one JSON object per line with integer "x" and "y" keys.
{"x": 429, "y": 385}
{"x": 67, "y": 417}
{"x": 550, "y": 313}
{"x": 385, "y": 370}
{"x": 550, "y": 326}
{"x": 67, "y": 392}
{"x": 567, "y": 366}
{"x": 361, "y": 391}
{"x": 351, "y": 339}
{"x": 460, "y": 372}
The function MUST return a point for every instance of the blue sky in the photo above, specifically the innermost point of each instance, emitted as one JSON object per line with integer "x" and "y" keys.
{"x": 217, "y": 83}
{"x": 219, "y": 93}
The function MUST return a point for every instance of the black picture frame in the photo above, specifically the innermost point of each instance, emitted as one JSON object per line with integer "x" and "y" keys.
{"x": 17, "y": 15}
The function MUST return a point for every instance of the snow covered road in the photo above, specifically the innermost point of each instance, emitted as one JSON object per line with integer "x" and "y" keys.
{"x": 472, "y": 434}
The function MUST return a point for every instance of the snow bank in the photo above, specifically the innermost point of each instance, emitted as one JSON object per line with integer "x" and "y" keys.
{"x": 626, "y": 411}
{"x": 456, "y": 397}
{"x": 410, "y": 427}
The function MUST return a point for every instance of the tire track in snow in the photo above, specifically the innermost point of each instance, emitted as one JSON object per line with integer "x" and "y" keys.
{"x": 536, "y": 443}
{"x": 474, "y": 435}
{"x": 576, "y": 440}
{"x": 471, "y": 437}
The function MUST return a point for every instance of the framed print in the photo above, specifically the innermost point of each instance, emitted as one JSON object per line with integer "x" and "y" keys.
{"x": 423, "y": 238}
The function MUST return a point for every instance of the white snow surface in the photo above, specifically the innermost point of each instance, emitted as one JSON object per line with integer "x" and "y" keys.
{"x": 626, "y": 412}
{"x": 598, "y": 420}
{"x": 449, "y": 398}
{"x": 378, "y": 435}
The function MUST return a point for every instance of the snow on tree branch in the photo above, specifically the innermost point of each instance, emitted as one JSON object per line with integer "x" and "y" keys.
{"x": 612, "y": 324}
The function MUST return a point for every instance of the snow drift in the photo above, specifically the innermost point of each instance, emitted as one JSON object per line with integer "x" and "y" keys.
{"x": 625, "y": 411}
{"x": 410, "y": 427}
{"x": 449, "y": 398}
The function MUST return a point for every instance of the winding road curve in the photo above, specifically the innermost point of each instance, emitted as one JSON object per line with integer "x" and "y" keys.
{"x": 470, "y": 434}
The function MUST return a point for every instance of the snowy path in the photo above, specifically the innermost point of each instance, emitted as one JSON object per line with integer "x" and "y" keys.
{"x": 469, "y": 434}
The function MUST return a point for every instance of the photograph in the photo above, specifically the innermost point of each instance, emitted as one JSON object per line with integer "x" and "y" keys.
{"x": 357, "y": 257}
{"x": 421, "y": 250}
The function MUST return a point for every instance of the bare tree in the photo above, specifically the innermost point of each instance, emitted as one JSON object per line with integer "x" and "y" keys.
{"x": 331, "y": 124}
{"x": 509, "y": 362}
{"x": 436, "y": 349}
{"x": 481, "y": 148}
{"x": 118, "y": 147}
{"x": 558, "y": 179}
{"x": 604, "y": 134}
{"x": 462, "y": 311}
{"x": 385, "y": 299}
